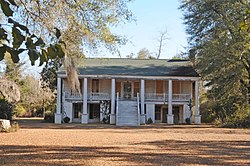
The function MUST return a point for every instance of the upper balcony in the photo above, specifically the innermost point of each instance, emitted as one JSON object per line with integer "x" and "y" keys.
{"x": 149, "y": 97}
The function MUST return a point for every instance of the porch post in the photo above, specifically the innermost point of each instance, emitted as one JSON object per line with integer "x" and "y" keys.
{"x": 112, "y": 116}
{"x": 143, "y": 117}
{"x": 85, "y": 102}
{"x": 58, "y": 115}
{"x": 170, "y": 118}
{"x": 197, "y": 116}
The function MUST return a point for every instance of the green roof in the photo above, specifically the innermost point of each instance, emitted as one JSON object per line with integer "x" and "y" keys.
{"x": 135, "y": 67}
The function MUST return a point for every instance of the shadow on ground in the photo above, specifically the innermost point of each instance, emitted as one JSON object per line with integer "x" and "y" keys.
{"x": 38, "y": 123}
{"x": 169, "y": 152}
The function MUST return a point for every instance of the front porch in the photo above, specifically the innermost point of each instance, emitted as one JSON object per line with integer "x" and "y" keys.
{"x": 118, "y": 91}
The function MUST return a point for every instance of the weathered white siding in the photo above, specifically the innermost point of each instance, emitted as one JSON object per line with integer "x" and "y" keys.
{"x": 67, "y": 109}
{"x": 150, "y": 112}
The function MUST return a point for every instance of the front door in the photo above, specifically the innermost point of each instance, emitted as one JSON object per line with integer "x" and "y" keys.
{"x": 127, "y": 90}
{"x": 77, "y": 109}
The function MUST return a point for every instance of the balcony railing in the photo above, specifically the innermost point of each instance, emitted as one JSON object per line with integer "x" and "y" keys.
{"x": 91, "y": 96}
{"x": 99, "y": 96}
{"x": 164, "y": 97}
{"x": 72, "y": 95}
{"x": 160, "y": 97}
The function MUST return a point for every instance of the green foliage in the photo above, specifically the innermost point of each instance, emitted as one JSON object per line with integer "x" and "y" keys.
{"x": 48, "y": 74}
{"x": 21, "y": 35}
{"x": 240, "y": 118}
{"x": 19, "y": 110}
{"x": 149, "y": 121}
{"x": 49, "y": 117}
{"x": 5, "y": 109}
{"x": 220, "y": 52}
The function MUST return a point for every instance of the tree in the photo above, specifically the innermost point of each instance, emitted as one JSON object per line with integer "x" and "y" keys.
{"x": 220, "y": 51}
{"x": 161, "y": 40}
{"x": 48, "y": 74}
{"x": 65, "y": 27}
{"x": 144, "y": 54}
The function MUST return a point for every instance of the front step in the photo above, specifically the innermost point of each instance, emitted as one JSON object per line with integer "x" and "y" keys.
{"x": 127, "y": 113}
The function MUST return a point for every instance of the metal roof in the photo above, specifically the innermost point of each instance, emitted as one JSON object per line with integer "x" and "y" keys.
{"x": 134, "y": 67}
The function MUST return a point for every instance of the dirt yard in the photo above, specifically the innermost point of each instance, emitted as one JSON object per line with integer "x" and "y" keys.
{"x": 39, "y": 143}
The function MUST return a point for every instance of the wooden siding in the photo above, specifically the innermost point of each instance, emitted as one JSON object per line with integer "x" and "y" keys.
{"x": 159, "y": 86}
{"x": 118, "y": 87}
{"x": 176, "y": 87}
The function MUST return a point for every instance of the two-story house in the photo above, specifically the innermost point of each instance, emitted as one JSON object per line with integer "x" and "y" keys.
{"x": 132, "y": 91}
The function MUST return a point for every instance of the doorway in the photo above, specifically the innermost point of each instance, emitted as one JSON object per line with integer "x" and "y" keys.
{"x": 127, "y": 90}
{"x": 94, "y": 113}
{"x": 77, "y": 109}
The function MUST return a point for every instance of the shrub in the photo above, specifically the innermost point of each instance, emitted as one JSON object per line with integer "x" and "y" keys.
{"x": 188, "y": 121}
{"x": 5, "y": 110}
{"x": 240, "y": 119}
{"x": 149, "y": 121}
{"x": 66, "y": 119}
{"x": 19, "y": 110}
{"x": 49, "y": 117}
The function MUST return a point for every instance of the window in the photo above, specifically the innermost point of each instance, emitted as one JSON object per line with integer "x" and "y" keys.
{"x": 95, "y": 85}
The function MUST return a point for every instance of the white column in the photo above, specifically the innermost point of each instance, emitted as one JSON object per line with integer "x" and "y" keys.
{"x": 142, "y": 95}
{"x": 112, "y": 116}
{"x": 58, "y": 115}
{"x": 85, "y": 102}
{"x": 170, "y": 118}
{"x": 197, "y": 116}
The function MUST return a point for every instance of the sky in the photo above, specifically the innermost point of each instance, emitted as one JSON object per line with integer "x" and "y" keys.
{"x": 152, "y": 17}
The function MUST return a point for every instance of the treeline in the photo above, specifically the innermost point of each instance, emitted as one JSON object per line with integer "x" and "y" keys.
{"x": 219, "y": 46}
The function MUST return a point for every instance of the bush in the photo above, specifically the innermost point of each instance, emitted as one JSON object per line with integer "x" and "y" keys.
{"x": 49, "y": 117}
{"x": 240, "y": 119}
{"x": 149, "y": 121}
{"x": 5, "y": 110}
{"x": 188, "y": 121}
{"x": 66, "y": 119}
{"x": 19, "y": 110}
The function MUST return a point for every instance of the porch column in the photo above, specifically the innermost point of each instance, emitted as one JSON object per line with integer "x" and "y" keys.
{"x": 58, "y": 115}
{"x": 170, "y": 118}
{"x": 197, "y": 116}
{"x": 85, "y": 102}
{"x": 142, "y": 95}
{"x": 112, "y": 116}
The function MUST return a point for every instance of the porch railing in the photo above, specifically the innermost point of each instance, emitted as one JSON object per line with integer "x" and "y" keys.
{"x": 72, "y": 95}
{"x": 91, "y": 96}
{"x": 99, "y": 96}
{"x": 164, "y": 97}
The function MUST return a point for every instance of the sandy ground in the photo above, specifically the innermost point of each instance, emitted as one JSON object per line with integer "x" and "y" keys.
{"x": 39, "y": 143}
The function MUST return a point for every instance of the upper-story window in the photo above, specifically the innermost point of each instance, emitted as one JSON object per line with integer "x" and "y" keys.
{"x": 95, "y": 85}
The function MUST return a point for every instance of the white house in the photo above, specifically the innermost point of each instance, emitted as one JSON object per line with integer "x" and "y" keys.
{"x": 130, "y": 91}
